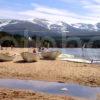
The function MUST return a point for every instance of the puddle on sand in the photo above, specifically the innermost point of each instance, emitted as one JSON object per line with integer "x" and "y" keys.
{"x": 52, "y": 88}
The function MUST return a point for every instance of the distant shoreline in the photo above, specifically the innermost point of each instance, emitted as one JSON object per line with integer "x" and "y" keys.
{"x": 7, "y": 39}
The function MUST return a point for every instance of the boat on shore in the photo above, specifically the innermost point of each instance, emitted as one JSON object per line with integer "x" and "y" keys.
{"x": 52, "y": 55}
{"x": 6, "y": 57}
{"x": 29, "y": 57}
{"x": 77, "y": 60}
{"x": 66, "y": 56}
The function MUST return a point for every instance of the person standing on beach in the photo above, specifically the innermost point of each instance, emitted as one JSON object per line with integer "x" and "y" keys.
{"x": 12, "y": 47}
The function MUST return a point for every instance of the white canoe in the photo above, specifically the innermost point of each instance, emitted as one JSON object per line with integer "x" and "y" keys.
{"x": 62, "y": 56}
{"x": 79, "y": 60}
{"x": 30, "y": 57}
{"x": 5, "y": 57}
{"x": 52, "y": 55}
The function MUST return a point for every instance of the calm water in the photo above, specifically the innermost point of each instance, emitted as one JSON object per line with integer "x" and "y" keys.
{"x": 86, "y": 53}
{"x": 52, "y": 88}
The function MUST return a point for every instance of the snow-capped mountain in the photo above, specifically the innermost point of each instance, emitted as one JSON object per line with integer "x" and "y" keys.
{"x": 41, "y": 22}
{"x": 90, "y": 27}
{"x": 46, "y": 27}
{"x": 4, "y": 22}
{"x": 59, "y": 24}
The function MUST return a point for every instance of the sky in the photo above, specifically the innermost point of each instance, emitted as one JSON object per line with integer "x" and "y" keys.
{"x": 70, "y": 11}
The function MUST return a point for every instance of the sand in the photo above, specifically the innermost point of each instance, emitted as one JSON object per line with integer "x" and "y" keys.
{"x": 10, "y": 94}
{"x": 49, "y": 70}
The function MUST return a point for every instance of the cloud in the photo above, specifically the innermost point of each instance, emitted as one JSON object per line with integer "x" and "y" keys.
{"x": 93, "y": 7}
{"x": 11, "y": 14}
{"x": 68, "y": 1}
{"x": 49, "y": 13}
{"x": 55, "y": 14}
{"x": 97, "y": 1}
{"x": 59, "y": 14}
{"x": 53, "y": 11}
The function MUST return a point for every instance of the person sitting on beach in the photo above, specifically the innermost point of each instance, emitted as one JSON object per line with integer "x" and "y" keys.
{"x": 39, "y": 49}
{"x": 34, "y": 51}
{"x": 42, "y": 49}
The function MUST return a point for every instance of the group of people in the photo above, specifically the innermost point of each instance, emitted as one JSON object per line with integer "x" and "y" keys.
{"x": 40, "y": 49}
{"x": 35, "y": 50}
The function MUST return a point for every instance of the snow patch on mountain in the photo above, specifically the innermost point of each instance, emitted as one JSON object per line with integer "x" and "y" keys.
{"x": 47, "y": 23}
{"x": 82, "y": 26}
{"x": 6, "y": 22}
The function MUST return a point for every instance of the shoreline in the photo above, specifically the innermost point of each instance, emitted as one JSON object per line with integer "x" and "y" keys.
{"x": 17, "y": 94}
{"x": 47, "y": 70}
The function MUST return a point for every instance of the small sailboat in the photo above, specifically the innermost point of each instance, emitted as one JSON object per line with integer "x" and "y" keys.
{"x": 52, "y": 55}
{"x": 30, "y": 57}
{"x": 6, "y": 57}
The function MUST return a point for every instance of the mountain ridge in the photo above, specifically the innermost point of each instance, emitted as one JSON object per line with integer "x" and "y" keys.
{"x": 44, "y": 27}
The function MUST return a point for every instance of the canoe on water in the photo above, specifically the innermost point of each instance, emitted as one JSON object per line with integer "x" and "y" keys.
{"x": 52, "y": 55}
{"x": 30, "y": 57}
{"x": 6, "y": 57}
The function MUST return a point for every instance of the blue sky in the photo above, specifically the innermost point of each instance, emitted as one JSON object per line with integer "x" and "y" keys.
{"x": 71, "y": 11}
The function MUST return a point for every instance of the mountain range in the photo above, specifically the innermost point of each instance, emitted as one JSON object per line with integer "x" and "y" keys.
{"x": 43, "y": 27}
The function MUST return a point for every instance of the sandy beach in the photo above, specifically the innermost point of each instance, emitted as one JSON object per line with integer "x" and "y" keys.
{"x": 10, "y": 94}
{"x": 49, "y": 70}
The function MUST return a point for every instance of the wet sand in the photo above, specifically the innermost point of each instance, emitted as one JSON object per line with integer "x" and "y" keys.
{"x": 10, "y": 94}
